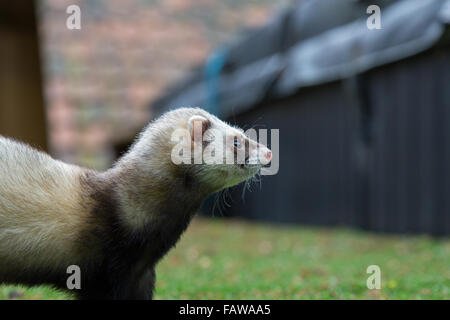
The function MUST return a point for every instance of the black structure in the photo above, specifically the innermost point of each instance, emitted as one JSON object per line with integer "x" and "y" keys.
{"x": 364, "y": 115}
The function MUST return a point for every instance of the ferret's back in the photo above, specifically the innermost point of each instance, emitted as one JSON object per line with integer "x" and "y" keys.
{"x": 32, "y": 175}
{"x": 40, "y": 206}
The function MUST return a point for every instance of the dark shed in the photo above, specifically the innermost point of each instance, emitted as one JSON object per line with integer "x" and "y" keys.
{"x": 363, "y": 114}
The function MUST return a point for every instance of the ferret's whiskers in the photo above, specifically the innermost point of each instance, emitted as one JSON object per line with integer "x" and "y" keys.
{"x": 243, "y": 191}
{"x": 220, "y": 201}
{"x": 227, "y": 194}
{"x": 257, "y": 179}
{"x": 248, "y": 184}
{"x": 224, "y": 198}
{"x": 217, "y": 204}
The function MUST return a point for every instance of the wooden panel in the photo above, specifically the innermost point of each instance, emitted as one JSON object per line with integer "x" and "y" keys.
{"x": 22, "y": 113}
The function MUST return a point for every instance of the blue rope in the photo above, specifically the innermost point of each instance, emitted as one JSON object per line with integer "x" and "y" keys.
{"x": 213, "y": 67}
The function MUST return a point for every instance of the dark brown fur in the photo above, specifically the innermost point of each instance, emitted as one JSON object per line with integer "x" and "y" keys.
{"x": 131, "y": 215}
{"x": 123, "y": 267}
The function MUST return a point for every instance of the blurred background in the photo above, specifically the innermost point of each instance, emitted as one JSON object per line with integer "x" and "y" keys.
{"x": 97, "y": 83}
{"x": 363, "y": 114}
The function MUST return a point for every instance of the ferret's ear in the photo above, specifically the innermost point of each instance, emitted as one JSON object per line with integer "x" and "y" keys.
{"x": 197, "y": 126}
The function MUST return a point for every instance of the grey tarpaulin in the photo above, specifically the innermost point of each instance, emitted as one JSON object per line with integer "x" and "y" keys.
{"x": 320, "y": 56}
{"x": 364, "y": 115}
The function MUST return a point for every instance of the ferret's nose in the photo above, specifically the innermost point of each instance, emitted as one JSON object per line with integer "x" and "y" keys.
{"x": 266, "y": 156}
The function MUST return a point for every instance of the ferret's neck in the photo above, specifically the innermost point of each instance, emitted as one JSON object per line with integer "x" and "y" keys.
{"x": 150, "y": 195}
{"x": 140, "y": 209}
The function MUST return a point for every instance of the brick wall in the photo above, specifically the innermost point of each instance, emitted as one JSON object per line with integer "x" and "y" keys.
{"x": 100, "y": 80}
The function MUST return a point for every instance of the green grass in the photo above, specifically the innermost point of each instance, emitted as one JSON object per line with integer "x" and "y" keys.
{"x": 222, "y": 259}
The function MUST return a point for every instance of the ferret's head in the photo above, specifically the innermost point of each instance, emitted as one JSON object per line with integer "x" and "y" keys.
{"x": 210, "y": 153}
{"x": 222, "y": 155}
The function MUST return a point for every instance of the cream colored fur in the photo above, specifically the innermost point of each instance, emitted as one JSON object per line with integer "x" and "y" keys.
{"x": 40, "y": 208}
{"x": 150, "y": 156}
{"x": 43, "y": 208}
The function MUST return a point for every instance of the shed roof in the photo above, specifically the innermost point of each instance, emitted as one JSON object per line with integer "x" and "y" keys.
{"x": 312, "y": 43}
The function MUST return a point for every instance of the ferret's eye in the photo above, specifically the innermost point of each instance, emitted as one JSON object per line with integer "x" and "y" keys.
{"x": 236, "y": 143}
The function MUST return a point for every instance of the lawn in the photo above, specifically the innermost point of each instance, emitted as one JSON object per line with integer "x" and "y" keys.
{"x": 228, "y": 259}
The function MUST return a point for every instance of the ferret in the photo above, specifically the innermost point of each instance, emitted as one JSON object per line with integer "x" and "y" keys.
{"x": 114, "y": 225}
